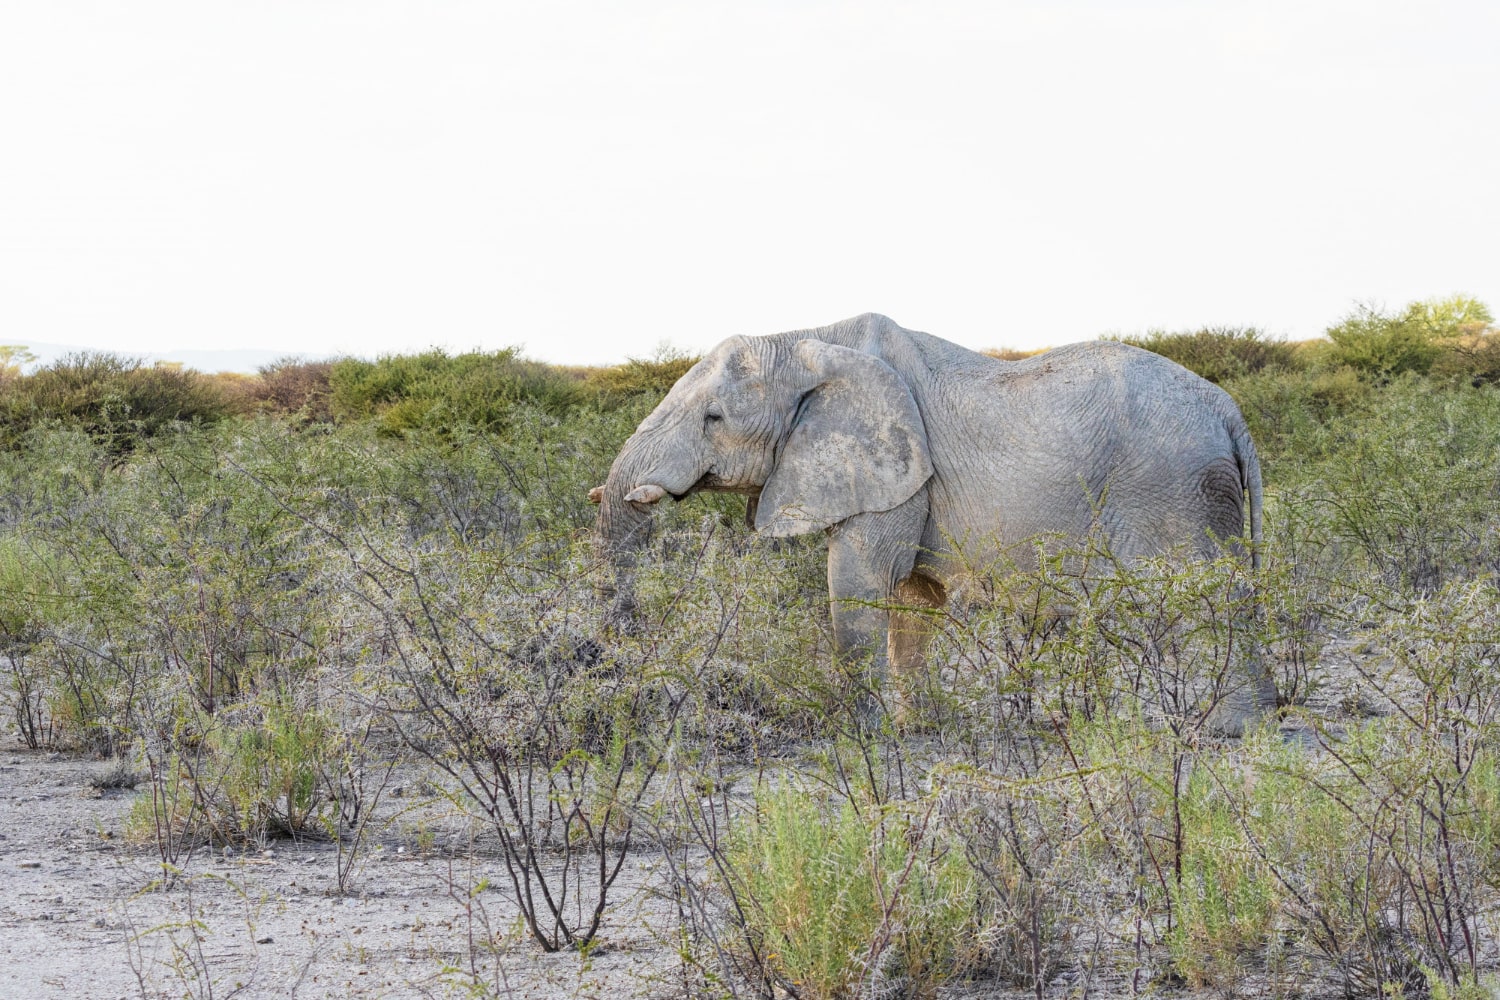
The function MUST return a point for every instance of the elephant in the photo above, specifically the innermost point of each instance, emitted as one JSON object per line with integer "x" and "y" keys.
{"x": 919, "y": 458}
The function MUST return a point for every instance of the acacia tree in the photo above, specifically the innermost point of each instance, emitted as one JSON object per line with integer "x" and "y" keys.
{"x": 12, "y": 357}
{"x": 1383, "y": 344}
{"x": 1450, "y": 317}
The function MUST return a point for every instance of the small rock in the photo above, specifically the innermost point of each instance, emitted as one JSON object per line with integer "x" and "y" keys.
{"x": 28, "y": 864}
{"x": 265, "y": 940}
{"x": 398, "y": 791}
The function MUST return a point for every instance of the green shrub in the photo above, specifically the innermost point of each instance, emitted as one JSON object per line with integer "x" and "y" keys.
{"x": 1380, "y": 345}
{"x": 114, "y": 398}
{"x": 1219, "y": 353}
{"x": 1375, "y": 851}
{"x": 651, "y": 376}
{"x": 1293, "y": 414}
{"x": 1225, "y": 903}
{"x": 1474, "y": 359}
{"x": 1411, "y": 487}
{"x": 30, "y": 599}
{"x": 269, "y": 768}
{"x": 840, "y": 896}
{"x": 29, "y": 588}
{"x": 1469, "y": 987}
{"x": 435, "y": 390}
{"x": 1448, "y": 335}
{"x": 1449, "y": 317}
{"x": 12, "y": 358}
{"x": 256, "y": 772}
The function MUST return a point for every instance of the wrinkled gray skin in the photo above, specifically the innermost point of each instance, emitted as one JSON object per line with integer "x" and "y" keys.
{"x": 919, "y": 457}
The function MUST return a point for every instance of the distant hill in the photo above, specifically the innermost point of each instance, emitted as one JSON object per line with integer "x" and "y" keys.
{"x": 204, "y": 361}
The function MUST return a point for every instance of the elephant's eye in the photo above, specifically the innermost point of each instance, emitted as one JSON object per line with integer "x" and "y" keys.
{"x": 713, "y": 414}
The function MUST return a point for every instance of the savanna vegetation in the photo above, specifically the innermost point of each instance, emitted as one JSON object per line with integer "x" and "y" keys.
{"x": 265, "y": 593}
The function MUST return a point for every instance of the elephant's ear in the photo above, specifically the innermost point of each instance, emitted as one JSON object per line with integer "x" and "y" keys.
{"x": 857, "y": 443}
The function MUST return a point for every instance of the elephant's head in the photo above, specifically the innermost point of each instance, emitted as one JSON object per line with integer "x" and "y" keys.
{"x": 813, "y": 432}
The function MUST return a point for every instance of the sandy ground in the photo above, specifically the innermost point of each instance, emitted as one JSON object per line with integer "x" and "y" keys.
{"x": 81, "y": 914}
{"x": 78, "y": 916}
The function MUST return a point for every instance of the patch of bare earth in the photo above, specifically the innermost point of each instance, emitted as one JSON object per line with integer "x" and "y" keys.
{"x": 79, "y": 916}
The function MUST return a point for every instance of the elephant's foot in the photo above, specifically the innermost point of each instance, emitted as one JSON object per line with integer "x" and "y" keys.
{"x": 1244, "y": 707}
{"x": 869, "y": 713}
{"x": 914, "y": 714}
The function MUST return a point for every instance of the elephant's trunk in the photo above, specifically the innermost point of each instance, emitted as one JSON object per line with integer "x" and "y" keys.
{"x": 621, "y": 530}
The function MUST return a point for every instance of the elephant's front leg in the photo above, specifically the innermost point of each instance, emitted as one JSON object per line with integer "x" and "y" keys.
{"x": 868, "y": 556}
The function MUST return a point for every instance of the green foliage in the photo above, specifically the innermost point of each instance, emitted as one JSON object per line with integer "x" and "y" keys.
{"x": 1449, "y": 317}
{"x": 1468, "y": 987}
{"x": 1292, "y": 414}
{"x": 120, "y": 401}
{"x": 1380, "y": 345}
{"x": 1225, "y": 902}
{"x": 1472, "y": 358}
{"x": 1378, "y": 852}
{"x": 265, "y": 778}
{"x": 1219, "y": 353}
{"x": 650, "y": 377}
{"x": 29, "y": 593}
{"x": 12, "y": 357}
{"x": 240, "y": 778}
{"x": 113, "y": 398}
{"x": 1447, "y": 334}
{"x": 836, "y": 894}
{"x": 1409, "y": 486}
{"x": 407, "y": 392}
{"x": 31, "y": 600}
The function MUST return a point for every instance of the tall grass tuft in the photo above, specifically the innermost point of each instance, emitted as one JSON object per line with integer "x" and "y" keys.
{"x": 843, "y": 898}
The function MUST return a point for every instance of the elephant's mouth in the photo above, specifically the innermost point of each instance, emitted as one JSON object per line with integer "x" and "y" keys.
{"x": 713, "y": 484}
{"x": 708, "y": 481}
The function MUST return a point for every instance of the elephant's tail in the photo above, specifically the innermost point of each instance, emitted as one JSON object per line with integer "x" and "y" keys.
{"x": 1249, "y": 463}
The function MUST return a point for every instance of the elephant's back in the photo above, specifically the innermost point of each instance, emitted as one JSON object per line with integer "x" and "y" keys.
{"x": 1103, "y": 381}
{"x": 1090, "y": 432}
{"x": 1106, "y": 361}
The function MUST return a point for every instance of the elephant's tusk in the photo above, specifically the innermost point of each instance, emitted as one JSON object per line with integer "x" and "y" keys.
{"x": 596, "y": 495}
{"x": 649, "y": 493}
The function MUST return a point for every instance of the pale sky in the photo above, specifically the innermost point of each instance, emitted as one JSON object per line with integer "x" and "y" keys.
{"x": 589, "y": 180}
